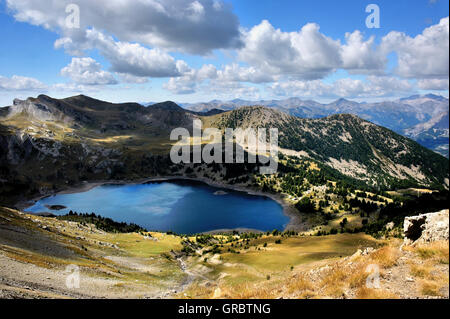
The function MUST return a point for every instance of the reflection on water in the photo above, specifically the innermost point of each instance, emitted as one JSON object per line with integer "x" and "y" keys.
{"x": 184, "y": 207}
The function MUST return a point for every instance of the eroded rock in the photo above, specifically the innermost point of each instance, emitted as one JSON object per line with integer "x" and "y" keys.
{"x": 426, "y": 228}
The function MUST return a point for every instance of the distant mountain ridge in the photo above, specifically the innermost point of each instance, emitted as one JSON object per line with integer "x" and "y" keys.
{"x": 433, "y": 134}
{"x": 401, "y": 116}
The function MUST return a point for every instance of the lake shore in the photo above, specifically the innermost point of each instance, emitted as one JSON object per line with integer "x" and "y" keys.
{"x": 295, "y": 221}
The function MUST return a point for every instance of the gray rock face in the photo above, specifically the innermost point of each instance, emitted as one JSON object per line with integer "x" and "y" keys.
{"x": 33, "y": 109}
{"x": 426, "y": 228}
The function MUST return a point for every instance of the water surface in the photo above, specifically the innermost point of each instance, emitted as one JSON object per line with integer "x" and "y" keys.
{"x": 184, "y": 207}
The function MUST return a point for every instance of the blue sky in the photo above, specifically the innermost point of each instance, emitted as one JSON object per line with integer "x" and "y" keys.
{"x": 199, "y": 50}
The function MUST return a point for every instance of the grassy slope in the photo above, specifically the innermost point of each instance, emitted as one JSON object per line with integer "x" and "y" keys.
{"x": 137, "y": 263}
{"x": 134, "y": 265}
{"x": 252, "y": 265}
{"x": 414, "y": 272}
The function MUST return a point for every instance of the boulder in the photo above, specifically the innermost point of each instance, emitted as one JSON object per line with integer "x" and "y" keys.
{"x": 390, "y": 226}
{"x": 426, "y": 228}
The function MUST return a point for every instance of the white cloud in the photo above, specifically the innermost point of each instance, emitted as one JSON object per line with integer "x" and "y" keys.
{"x": 181, "y": 86}
{"x": 128, "y": 58}
{"x": 231, "y": 90}
{"x": 189, "y": 26}
{"x": 198, "y": 11}
{"x": 308, "y": 54}
{"x": 386, "y": 84}
{"x": 136, "y": 38}
{"x": 373, "y": 86}
{"x": 87, "y": 71}
{"x": 20, "y": 83}
{"x": 359, "y": 56}
{"x": 191, "y": 79}
{"x": 424, "y": 56}
{"x": 128, "y": 78}
{"x": 236, "y": 73}
{"x": 433, "y": 84}
{"x": 73, "y": 88}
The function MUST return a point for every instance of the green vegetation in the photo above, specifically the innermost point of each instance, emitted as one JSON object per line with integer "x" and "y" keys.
{"x": 106, "y": 224}
{"x": 410, "y": 206}
{"x": 305, "y": 205}
{"x": 346, "y": 138}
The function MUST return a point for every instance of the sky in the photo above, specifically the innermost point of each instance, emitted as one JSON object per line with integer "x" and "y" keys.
{"x": 199, "y": 50}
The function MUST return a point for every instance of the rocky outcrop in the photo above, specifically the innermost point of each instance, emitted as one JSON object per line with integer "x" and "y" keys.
{"x": 33, "y": 109}
{"x": 426, "y": 228}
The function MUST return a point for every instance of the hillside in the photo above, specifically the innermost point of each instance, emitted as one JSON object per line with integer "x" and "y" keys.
{"x": 341, "y": 179}
{"x": 402, "y": 116}
{"x": 88, "y": 113}
{"x": 83, "y": 139}
{"x": 36, "y": 251}
{"x": 354, "y": 147}
{"x": 86, "y": 139}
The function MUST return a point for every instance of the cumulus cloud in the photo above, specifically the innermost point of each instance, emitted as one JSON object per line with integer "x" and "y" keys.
{"x": 87, "y": 71}
{"x": 231, "y": 90}
{"x": 198, "y": 26}
{"x": 433, "y": 84}
{"x": 308, "y": 54}
{"x": 181, "y": 86}
{"x": 73, "y": 88}
{"x": 236, "y": 73}
{"x": 20, "y": 83}
{"x": 373, "y": 86}
{"x": 424, "y": 56}
{"x": 128, "y": 78}
{"x": 297, "y": 61}
{"x": 138, "y": 37}
{"x": 359, "y": 56}
{"x": 191, "y": 79}
{"x": 128, "y": 58}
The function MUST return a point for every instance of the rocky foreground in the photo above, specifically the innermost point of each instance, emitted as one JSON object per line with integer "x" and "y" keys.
{"x": 39, "y": 257}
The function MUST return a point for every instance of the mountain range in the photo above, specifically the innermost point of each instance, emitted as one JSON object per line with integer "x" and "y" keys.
{"x": 48, "y": 143}
{"x": 423, "y": 118}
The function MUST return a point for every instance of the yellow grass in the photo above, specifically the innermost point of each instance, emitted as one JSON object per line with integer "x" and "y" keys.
{"x": 334, "y": 281}
{"x": 250, "y": 291}
{"x": 298, "y": 250}
{"x": 370, "y": 293}
{"x": 137, "y": 246}
{"x": 421, "y": 271}
{"x": 430, "y": 288}
{"x": 437, "y": 250}
{"x": 358, "y": 276}
{"x": 386, "y": 256}
{"x": 299, "y": 284}
{"x": 198, "y": 291}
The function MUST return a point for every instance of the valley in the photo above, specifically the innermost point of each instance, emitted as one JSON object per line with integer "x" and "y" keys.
{"x": 345, "y": 183}
{"x": 224, "y": 158}
{"x": 35, "y": 253}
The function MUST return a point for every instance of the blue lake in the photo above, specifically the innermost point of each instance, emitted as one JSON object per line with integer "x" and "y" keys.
{"x": 184, "y": 207}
